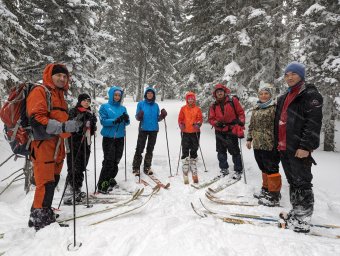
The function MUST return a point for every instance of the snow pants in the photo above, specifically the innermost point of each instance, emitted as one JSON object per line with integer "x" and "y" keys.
{"x": 151, "y": 136}
{"x": 81, "y": 154}
{"x": 46, "y": 169}
{"x": 299, "y": 176}
{"x": 113, "y": 151}
{"x": 228, "y": 142}
{"x": 190, "y": 144}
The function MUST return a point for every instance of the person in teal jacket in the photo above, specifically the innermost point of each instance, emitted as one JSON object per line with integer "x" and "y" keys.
{"x": 148, "y": 114}
{"x": 114, "y": 118}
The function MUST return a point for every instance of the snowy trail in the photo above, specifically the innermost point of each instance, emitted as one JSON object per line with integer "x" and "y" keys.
{"x": 167, "y": 224}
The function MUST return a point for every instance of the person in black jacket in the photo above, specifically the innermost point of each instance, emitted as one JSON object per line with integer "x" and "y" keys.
{"x": 80, "y": 144}
{"x": 298, "y": 123}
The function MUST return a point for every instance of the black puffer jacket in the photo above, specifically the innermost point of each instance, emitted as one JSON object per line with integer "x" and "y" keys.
{"x": 83, "y": 117}
{"x": 304, "y": 119}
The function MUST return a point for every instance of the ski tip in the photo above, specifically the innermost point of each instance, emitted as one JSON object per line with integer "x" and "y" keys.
{"x": 211, "y": 190}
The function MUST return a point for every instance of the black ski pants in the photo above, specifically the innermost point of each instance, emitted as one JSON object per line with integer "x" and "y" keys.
{"x": 190, "y": 144}
{"x": 228, "y": 142}
{"x": 113, "y": 151}
{"x": 81, "y": 153}
{"x": 299, "y": 176}
{"x": 268, "y": 161}
{"x": 151, "y": 136}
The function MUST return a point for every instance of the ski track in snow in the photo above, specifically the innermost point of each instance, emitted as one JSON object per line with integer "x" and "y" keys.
{"x": 167, "y": 225}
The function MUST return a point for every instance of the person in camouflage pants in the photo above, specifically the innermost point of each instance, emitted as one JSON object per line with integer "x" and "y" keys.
{"x": 261, "y": 136}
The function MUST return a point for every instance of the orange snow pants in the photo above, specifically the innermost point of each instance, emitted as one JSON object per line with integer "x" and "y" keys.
{"x": 46, "y": 169}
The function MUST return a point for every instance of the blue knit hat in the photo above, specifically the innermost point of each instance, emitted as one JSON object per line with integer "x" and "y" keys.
{"x": 297, "y": 68}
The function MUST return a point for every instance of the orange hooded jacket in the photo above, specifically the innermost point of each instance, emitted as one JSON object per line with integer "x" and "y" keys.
{"x": 36, "y": 104}
{"x": 190, "y": 115}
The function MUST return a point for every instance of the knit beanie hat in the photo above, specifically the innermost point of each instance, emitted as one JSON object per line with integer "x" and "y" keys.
{"x": 297, "y": 68}
{"x": 58, "y": 68}
{"x": 82, "y": 97}
{"x": 266, "y": 87}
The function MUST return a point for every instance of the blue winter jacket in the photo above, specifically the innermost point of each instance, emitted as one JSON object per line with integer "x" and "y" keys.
{"x": 109, "y": 112}
{"x": 151, "y": 112}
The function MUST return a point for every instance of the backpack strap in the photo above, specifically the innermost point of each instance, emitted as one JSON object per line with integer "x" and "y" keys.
{"x": 230, "y": 101}
{"x": 48, "y": 97}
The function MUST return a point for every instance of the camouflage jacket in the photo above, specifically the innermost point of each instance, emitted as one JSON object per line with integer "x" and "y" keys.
{"x": 261, "y": 128}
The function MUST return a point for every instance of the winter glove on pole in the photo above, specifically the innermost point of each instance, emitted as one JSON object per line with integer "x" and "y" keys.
{"x": 140, "y": 115}
{"x": 119, "y": 119}
{"x": 126, "y": 117}
{"x": 162, "y": 115}
{"x": 197, "y": 125}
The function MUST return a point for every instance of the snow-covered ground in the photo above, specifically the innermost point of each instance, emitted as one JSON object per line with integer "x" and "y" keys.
{"x": 167, "y": 225}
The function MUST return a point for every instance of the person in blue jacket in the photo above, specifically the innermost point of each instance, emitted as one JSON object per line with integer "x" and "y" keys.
{"x": 149, "y": 115}
{"x": 113, "y": 117}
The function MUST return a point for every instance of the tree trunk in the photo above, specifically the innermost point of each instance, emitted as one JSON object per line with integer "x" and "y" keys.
{"x": 139, "y": 88}
{"x": 329, "y": 124}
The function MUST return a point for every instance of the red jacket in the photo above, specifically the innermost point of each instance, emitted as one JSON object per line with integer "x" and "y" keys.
{"x": 225, "y": 112}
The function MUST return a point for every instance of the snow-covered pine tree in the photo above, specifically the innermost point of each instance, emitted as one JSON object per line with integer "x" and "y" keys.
{"x": 19, "y": 53}
{"x": 319, "y": 49}
{"x": 109, "y": 33}
{"x": 147, "y": 43}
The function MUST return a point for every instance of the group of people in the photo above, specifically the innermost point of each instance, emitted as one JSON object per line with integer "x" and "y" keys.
{"x": 285, "y": 130}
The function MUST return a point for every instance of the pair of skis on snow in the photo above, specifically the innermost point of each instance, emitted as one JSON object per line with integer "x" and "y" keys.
{"x": 134, "y": 197}
{"x": 259, "y": 220}
{"x": 116, "y": 205}
{"x": 227, "y": 181}
{"x": 158, "y": 183}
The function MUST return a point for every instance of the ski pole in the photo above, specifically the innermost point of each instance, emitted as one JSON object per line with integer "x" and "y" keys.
{"x": 95, "y": 155}
{"x": 167, "y": 145}
{"x": 7, "y": 160}
{"x": 67, "y": 181}
{"x": 95, "y": 161}
{"x": 243, "y": 169}
{"x": 125, "y": 151}
{"x": 74, "y": 200}
{"x": 86, "y": 184}
{"x": 179, "y": 155}
{"x": 198, "y": 141}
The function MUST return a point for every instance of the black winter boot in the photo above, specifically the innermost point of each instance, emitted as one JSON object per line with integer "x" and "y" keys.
{"x": 262, "y": 193}
{"x": 41, "y": 217}
{"x": 302, "y": 201}
{"x": 270, "y": 199}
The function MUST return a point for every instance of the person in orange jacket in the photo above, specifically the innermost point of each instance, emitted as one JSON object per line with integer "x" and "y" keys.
{"x": 47, "y": 112}
{"x": 190, "y": 120}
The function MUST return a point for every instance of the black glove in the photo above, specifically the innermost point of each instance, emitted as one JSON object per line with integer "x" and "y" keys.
{"x": 119, "y": 120}
{"x": 237, "y": 121}
{"x": 126, "y": 117}
{"x": 162, "y": 115}
{"x": 140, "y": 115}
{"x": 220, "y": 124}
